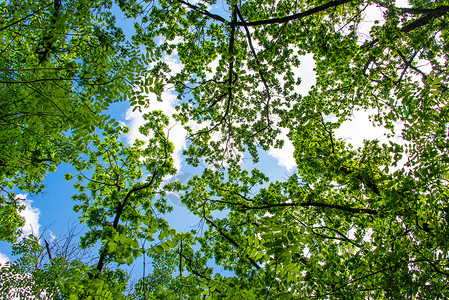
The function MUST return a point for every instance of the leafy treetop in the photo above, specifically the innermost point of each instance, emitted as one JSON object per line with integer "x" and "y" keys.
{"x": 370, "y": 222}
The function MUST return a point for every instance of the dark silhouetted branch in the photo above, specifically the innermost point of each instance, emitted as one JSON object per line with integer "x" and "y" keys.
{"x": 296, "y": 16}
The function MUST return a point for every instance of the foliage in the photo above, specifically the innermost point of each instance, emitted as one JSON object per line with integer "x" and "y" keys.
{"x": 368, "y": 221}
{"x": 35, "y": 275}
{"x": 61, "y": 64}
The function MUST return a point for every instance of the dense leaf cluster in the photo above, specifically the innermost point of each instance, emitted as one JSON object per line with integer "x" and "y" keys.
{"x": 350, "y": 222}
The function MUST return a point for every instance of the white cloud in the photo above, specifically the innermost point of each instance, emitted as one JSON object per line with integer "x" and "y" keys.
{"x": 403, "y": 3}
{"x": 360, "y": 128}
{"x": 306, "y": 72}
{"x": 3, "y": 259}
{"x": 213, "y": 66}
{"x": 52, "y": 236}
{"x": 371, "y": 15}
{"x": 176, "y": 133}
{"x": 31, "y": 215}
{"x": 375, "y": 14}
{"x": 285, "y": 155}
{"x": 308, "y": 78}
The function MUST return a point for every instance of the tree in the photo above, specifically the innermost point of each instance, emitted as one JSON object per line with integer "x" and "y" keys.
{"x": 61, "y": 64}
{"x": 373, "y": 225}
{"x": 114, "y": 204}
{"x": 44, "y": 259}
{"x": 370, "y": 222}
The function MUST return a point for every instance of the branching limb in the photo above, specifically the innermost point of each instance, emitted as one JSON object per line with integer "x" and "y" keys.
{"x": 329, "y": 133}
{"x": 408, "y": 63}
{"x": 35, "y": 69}
{"x": 37, "y": 80}
{"x": 231, "y": 73}
{"x": 298, "y": 15}
{"x": 205, "y": 12}
{"x": 47, "y": 246}
{"x": 431, "y": 263}
{"x": 120, "y": 209}
{"x": 232, "y": 241}
{"x": 99, "y": 182}
{"x": 410, "y": 27}
{"x": 424, "y": 11}
{"x": 235, "y": 193}
{"x": 368, "y": 182}
{"x": 259, "y": 66}
{"x": 303, "y": 204}
{"x": 46, "y": 45}
{"x": 343, "y": 236}
{"x": 21, "y": 20}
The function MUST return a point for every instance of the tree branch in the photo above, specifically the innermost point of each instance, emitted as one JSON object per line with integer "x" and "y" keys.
{"x": 205, "y": 12}
{"x": 323, "y": 205}
{"x": 412, "y": 26}
{"x": 259, "y": 70}
{"x": 344, "y": 237}
{"x": 35, "y": 69}
{"x": 35, "y": 80}
{"x": 189, "y": 264}
{"x": 18, "y": 21}
{"x": 120, "y": 212}
{"x": 231, "y": 63}
{"x": 424, "y": 11}
{"x": 431, "y": 263}
{"x": 369, "y": 183}
{"x": 230, "y": 74}
{"x": 329, "y": 133}
{"x": 234, "y": 243}
{"x": 47, "y": 246}
{"x": 296, "y": 16}
{"x": 303, "y": 204}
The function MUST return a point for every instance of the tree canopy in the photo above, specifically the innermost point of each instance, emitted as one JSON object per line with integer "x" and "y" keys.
{"x": 367, "y": 221}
